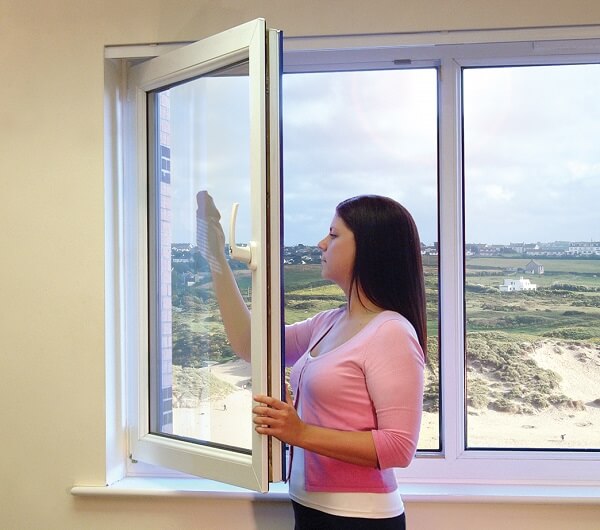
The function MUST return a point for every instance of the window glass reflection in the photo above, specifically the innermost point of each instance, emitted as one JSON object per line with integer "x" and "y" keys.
{"x": 200, "y": 390}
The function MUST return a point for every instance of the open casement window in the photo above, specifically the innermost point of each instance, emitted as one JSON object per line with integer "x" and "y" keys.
{"x": 206, "y": 117}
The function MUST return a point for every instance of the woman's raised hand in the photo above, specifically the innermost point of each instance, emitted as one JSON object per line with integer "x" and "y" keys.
{"x": 210, "y": 237}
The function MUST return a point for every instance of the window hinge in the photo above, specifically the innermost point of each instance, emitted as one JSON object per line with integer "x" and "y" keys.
{"x": 133, "y": 460}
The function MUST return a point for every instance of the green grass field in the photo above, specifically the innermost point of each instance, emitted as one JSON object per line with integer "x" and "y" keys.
{"x": 577, "y": 266}
{"x": 565, "y": 305}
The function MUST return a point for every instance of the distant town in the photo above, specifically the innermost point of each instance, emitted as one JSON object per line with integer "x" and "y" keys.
{"x": 304, "y": 254}
{"x": 555, "y": 249}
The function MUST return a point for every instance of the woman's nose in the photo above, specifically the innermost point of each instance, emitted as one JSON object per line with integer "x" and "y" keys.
{"x": 322, "y": 244}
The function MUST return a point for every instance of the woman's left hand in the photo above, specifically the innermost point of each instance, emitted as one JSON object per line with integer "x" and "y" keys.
{"x": 274, "y": 417}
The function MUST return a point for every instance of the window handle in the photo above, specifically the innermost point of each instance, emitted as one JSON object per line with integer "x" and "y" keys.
{"x": 243, "y": 254}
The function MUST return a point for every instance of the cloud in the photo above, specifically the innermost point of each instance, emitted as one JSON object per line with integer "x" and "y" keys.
{"x": 497, "y": 193}
{"x": 380, "y": 138}
{"x": 578, "y": 171}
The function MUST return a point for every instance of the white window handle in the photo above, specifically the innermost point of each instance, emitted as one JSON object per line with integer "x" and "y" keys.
{"x": 243, "y": 254}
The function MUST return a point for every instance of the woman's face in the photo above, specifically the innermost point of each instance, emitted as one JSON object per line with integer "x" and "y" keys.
{"x": 338, "y": 250}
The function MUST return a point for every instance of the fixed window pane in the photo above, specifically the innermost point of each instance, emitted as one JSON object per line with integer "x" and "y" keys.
{"x": 199, "y": 390}
{"x": 353, "y": 133}
{"x": 532, "y": 256}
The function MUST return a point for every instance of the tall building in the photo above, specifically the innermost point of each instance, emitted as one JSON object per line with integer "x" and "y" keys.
{"x": 166, "y": 322}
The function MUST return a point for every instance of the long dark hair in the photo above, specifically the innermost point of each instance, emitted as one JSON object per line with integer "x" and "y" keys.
{"x": 388, "y": 265}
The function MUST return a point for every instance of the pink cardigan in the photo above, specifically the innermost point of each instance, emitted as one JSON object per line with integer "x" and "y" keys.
{"x": 372, "y": 382}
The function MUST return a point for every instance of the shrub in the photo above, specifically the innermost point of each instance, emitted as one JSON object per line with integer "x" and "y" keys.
{"x": 431, "y": 398}
{"x": 538, "y": 400}
{"x": 574, "y": 288}
{"x": 504, "y": 405}
{"x": 478, "y": 288}
{"x": 572, "y": 333}
{"x": 479, "y": 393}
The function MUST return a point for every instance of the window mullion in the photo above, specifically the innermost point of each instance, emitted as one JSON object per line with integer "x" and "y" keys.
{"x": 451, "y": 260}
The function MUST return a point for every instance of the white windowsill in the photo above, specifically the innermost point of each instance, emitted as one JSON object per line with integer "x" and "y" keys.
{"x": 179, "y": 487}
{"x": 460, "y": 493}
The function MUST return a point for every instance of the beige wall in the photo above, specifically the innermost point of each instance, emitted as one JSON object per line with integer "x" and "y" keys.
{"x": 52, "y": 243}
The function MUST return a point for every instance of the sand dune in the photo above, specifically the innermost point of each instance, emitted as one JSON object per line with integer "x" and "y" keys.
{"x": 237, "y": 372}
{"x": 225, "y": 419}
{"x": 579, "y": 368}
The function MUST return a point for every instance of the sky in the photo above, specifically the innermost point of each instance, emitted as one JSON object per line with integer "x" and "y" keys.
{"x": 532, "y": 153}
{"x": 531, "y": 162}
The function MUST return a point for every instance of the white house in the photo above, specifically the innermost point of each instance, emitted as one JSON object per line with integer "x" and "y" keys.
{"x": 522, "y": 284}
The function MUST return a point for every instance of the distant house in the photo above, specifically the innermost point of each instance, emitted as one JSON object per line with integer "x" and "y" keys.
{"x": 490, "y": 250}
{"x": 533, "y": 267}
{"x": 585, "y": 248}
{"x": 554, "y": 248}
{"x": 519, "y": 248}
{"x": 430, "y": 250}
{"x": 517, "y": 285}
{"x": 531, "y": 248}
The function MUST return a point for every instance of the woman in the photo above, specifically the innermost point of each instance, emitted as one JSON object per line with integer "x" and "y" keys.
{"x": 357, "y": 373}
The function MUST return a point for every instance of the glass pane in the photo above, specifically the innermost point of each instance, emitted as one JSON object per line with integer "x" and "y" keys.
{"x": 532, "y": 277}
{"x": 351, "y": 133}
{"x": 200, "y": 390}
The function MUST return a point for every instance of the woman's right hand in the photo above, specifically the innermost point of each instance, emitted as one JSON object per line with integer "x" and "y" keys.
{"x": 210, "y": 237}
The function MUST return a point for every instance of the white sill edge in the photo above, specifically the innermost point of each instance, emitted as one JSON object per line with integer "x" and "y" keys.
{"x": 180, "y": 487}
{"x": 455, "y": 493}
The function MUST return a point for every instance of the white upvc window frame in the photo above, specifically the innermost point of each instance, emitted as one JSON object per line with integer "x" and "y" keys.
{"x": 248, "y": 42}
{"x": 450, "y": 52}
{"x": 456, "y": 463}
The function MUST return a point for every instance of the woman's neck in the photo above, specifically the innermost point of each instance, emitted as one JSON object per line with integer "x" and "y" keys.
{"x": 359, "y": 306}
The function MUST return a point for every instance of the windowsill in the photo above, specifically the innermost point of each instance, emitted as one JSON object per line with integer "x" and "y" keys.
{"x": 459, "y": 493}
{"x": 179, "y": 487}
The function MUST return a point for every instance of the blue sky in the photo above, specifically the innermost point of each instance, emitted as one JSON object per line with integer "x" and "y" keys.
{"x": 532, "y": 158}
